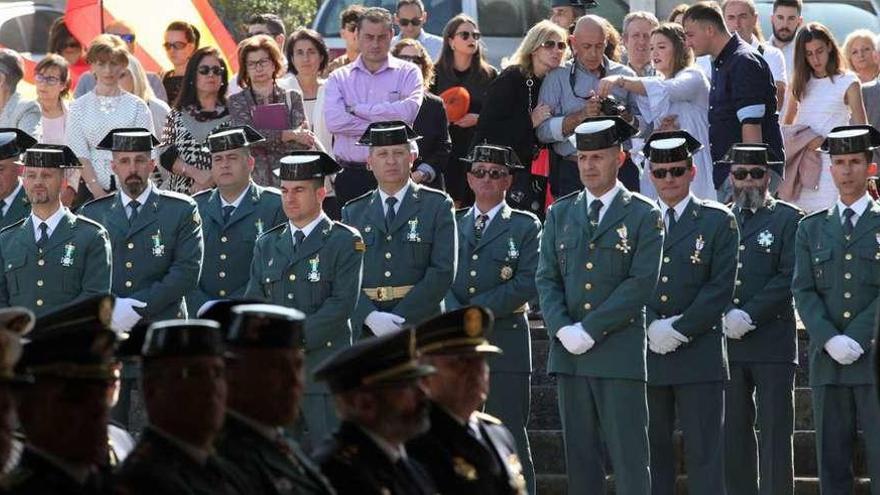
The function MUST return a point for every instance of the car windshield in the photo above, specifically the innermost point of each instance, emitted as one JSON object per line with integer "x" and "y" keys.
{"x": 842, "y": 17}
{"x": 439, "y": 12}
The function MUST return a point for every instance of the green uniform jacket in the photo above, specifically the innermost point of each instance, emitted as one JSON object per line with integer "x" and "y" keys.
{"x": 36, "y": 475}
{"x": 836, "y": 284}
{"x": 602, "y": 281}
{"x": 19, "y": 209}
{"x": 157, "y": 259}
{"x": 419, "y": 250}
{"x": 267, "y": 468}
{"x": 74, "y": 264}
{"x": 498, "y": 272}
{"x": 763, "y": 287}
{"x": 696, "y": 282}
{"x": 322, "y": 279}
{"x": 229, "y": 248}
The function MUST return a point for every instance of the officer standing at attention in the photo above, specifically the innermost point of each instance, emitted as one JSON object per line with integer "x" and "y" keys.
{"x": 466, "y": 451}
{"x": 382, "y": 406}
{"x": 835, "y": 286}
{"x": 185, "y": 393}
{"x": 52, "y": 257}
{"x": 498, "y": 256}
{"x": 14, "y": 204}
{"x": 409, "y": 233}
{"x": 15, "y": 322}
{"x": 760, "y": 329}
{"x": 687, "y": 365}
{"x": 235, "y": 214}
{"x": 266, "y": 383}
{"x": 598, "y": 267}
{"x": 313, "y": 264}
{"x": 64, "y": 413}
{"x": 156, "y": 235}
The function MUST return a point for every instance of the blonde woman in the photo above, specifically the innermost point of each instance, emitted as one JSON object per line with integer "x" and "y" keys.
{"x": 860, "y": 52}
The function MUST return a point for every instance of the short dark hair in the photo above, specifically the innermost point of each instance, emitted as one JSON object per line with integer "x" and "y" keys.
{"x": 59, "y": 36}
{"x": 309, "y": 35}
{"x": 376, "y": 15}
{"x": 706, "y": 12}
{"x": 191, "y": 33}
{"x": 351, "y": 14}
{"x": 272, "y": 21}
{"x": 798, "y": 4}
{"x": 53, "y": 60}
{"x": 417, "y": 3}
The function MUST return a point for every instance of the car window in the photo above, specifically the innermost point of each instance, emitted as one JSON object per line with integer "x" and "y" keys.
{"x": 439, "y": 11}
{"x": 37, "y": 25}
{"x": 11, "y": 37}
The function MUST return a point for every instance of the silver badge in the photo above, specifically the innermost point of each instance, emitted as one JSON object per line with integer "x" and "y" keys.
{"x": 765, "y": 239}
{"x": 67, "y": 257}
{"x": 158, "y": 247}
{"x": 314, "y": 275}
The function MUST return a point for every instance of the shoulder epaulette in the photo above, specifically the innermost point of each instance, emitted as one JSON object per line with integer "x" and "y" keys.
{"x": 567, "y": 196}
{"x": 525, "y": 213}
{"x": 206, "y": 192}
{"x": 359, "y": 198}
{"x": 789, "y": 206}
{"x": 817, "y": 213}
{"x": 85, "y": 219}
{"x": 16, "y": 224}
{"x": 110, "y": 196}
{"x": 644, "y": 199}
{"x": 487, "y": 418}
{"x": 175, "y": 195}
{"x": 708, "y": 203}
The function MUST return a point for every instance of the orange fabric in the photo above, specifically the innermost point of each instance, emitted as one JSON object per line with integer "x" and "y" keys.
{"x": 456, "y": 101}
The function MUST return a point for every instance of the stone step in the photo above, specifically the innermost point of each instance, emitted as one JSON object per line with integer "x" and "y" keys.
{"x": 549, "y": 455}
{"x": 554, "y": 484}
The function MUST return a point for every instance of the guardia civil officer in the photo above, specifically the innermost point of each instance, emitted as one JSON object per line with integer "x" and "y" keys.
{"x": 409, "y": 233}
{"x": 52, "y": 257}
{"x": 687, "y": 365}
{"x": 498, "y": 255}
{"x": 835, "y": 286}
{"x": 598, "y": 267}
{"x": 313, "y": 264}
{"x": 14, "y": 204}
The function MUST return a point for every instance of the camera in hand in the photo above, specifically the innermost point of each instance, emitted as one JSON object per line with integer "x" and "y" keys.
{"x": 611, "y": 106}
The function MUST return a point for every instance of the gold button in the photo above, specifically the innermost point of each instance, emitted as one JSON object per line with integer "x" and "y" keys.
{"x": 666, "y": 259}
{"x": 742, "y": 247}
{"x": 292, "y": 277}
{"x": 39, "y": 262}
{"x": 735, "y": 300}
{"x": 39, "y": 283}
{"x": 588, "y": 286}
{"x": 471, "y": 290}
{"x": 847, "y": 275}
{"x": 589, "y": 265}
{"x": 739, "y": 282}
{"x": 847, "y": 314}
{"x": 222, "y": 293}
{"x": 329, "y": 344}
{"x": 290, "y": 296}
{"x": 473, "y": 273}
{"x": 130, "y": 245}
{"x": 475, "y": 257}
{"x": 847, "y": 295}
{"x": 223, "y": 239}
{"x": 387, "y": 237}
{"x": 128, "y": 283}
{"x": 129, "y": 264}
{"x": 592, "y": 245}
{"x": 387, "y": 256}
{"x": 222, "y": 274}
{"x": 387, "y": 274}
{"x": 222, "y": 256}
{"x": 664, "y": 279}
{"x": 562, "y": 246}
{"x": 664, "y": 298}
{"x": 588, "y": 306}
{"x": 739, "y": 265}
{"x": 39, "y": 302}
{"x": 848, "y": 256}
{"x": 268, "y": 280}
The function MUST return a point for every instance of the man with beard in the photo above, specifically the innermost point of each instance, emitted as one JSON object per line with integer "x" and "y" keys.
{"x": 466, "y": 451}
{"x": 64, "y": 413}
{"x": 156, "y": 235}
{"x": 687, "y": 366}
{"x": 185, "y": 393}
{"x": 235, "y": 214}
{"x": 15, "y": 322}
{"x": 52, "y": 257}
{"x": 382, "y": 406}
{"x": 835, "y": 286}
{"x": 785, "y": 21}
{"x": 265, "y": 388}
{"x": 313, "y": 264}
{"x": 13, "y": 201}
{"x": 760, "y": 328}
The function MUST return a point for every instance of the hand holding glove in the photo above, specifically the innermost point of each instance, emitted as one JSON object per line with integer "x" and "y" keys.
{"x": 737, "y": 323}
{"x": 382, "y": 323}
{"x": 662, "y": 338}
{"x": 844, "y": 349}
{"x": 124, "y": 315}
{"x": 575, "y": 339}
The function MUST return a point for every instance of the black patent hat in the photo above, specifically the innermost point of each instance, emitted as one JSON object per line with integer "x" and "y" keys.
{"x": 599, "y": 133}
{"x": 14, "y": 142}
{"x": 128, "y": 139}
{"x": 184, "y": 338}
{"x": 493, "y": 153}
{"x": 671, "y": 147}
{"x": 847, "y": 139}
{"x": 233, "y": 138}
{"x": 388, "y": 133}
{"x": 751, "y": 154}
{"x": 462, "y": 331}
{"x": 50, "y": 156}
{"x": 267, "y": 326}
{"x": 305, "y": 165}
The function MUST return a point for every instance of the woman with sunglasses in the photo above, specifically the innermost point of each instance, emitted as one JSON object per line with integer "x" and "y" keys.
{"x": 676, "y": 98}
{"x": 181, "y": 40}
{"x": 462, "y": 64}
{"x": 199, "y": 111}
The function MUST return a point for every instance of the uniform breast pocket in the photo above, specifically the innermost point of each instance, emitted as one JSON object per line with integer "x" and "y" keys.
{"x": 760, "y": 261}
{"x": 612, "y": 255}
{"x": 822, "y": 271}
{"x": 566, "y": 250}
{"x": 13, "y": 271}
{"x": 420, "y": 248}
{"x": 271, "y": 283}
{"x": 71, "y": 279}
{"x": 869, "y": 271}
{"x": 320, "y": 291}
{"x": 504, "y": 266}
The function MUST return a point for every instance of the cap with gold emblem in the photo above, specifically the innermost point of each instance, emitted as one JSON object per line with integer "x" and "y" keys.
{"x": 388, "y": 133}
{"x": 462, "y": 331}
{"x": 306, "y": 165}
{"x": 128, "y": 139}
{"x": 847, "y": 139}
{"x": 233, "y": 138}
{"x": 14, "y": 142}
{"x": 50, "y": 156}
{"x": 374, "y": 362}
{"x": 266, "y": 326}
{"x": 598, "y": 133}
{"x": 671, "y": 146}
{"x": 493, "y": 153}
{"x": 14, "y": 323}
{"x": 183, "y": 338}
{"x": 74, "y": 341}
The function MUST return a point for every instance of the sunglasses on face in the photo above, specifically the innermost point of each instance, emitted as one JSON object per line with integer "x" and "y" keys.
{"x": 410, "y": 58}
{"x": 743, "y": 173}
{"x": 466, "y": 35}
{"x": 493, "y": 174}
{"x": 211, "y": 69}
{"x": 177, "y": 45}
{"x": 415, "y": 21}
{"x": 661, "y": 173}
{"x": 47, "y": 80}
{"x": 128, "y": 38}
{"x": 550, "y": 44}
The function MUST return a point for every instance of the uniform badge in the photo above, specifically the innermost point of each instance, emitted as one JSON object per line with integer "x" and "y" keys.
{"x": 765, "y": 239}
{"x": 506, "y": 272}
{"x": 314, "y": 275}
{"x": 699, "y": 244}
{"x": 368, "y": 228}
{"x": 359, "y": 246}
{"x": 623, "y": 244}
{"x": 464, "y": 469}
{"x": 259, "y": 226}
{"x": 413, "y": 234}
{"x": 158, "y": 248}
{"x": 512, "y": 251}
{"x": 67, "y": 256}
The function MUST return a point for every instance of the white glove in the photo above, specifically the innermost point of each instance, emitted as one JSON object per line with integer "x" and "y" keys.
{"x": 843, "y": 349}
{"x": 575, "y": 339}
{"x": 382, "y": 323}
{"x": 662, "y": 338}
{"x": 737, "y": 323}
{"x": 124, "y": 316}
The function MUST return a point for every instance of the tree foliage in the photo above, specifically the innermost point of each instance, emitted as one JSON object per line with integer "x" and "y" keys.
{"x": 235, "y": 13}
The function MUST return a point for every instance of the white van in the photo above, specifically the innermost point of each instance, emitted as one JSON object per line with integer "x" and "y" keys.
{"x": 503, "y": 23}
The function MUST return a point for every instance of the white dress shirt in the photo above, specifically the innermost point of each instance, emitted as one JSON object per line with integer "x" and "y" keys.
{"x": 51, "y": 222}
{"x": 858, "y": 207}
{"x": 678, "y": 208}
{"x": 606, "y": 199}
{"x": 8, "y": 200}
{"x": 399, "y": 195}
{"x": 142, "y": 199}
{"x": 490, "y": 214}
{"x": 308, "y": 228}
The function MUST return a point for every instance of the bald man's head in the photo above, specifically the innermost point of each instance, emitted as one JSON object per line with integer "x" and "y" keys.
{"x": 589, "y": 40}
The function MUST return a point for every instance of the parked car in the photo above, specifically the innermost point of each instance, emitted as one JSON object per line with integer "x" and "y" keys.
{"x": 840, "y": 16}
{"x": 503, "y": 23}
{"x": 24, "y": 26}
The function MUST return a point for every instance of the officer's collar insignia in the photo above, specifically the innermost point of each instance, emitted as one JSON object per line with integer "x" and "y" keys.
{"x": 765, "y": 239}
{"x": 473, "y": 322}
{"x": 464, "y": 469}
{"x": 623, "y": 245}
{"x": 413, "y": 234}
{"x": 699, "y": 244}
{"x": 314, "y": 274}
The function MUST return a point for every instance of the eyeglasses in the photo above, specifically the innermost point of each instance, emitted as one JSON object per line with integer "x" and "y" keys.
{"x": 177, "y": 45}
{"x": 211, "y": 69}
{"x": 128, "y": 38}
{"x": 550, "y": 44}
{"x": 466, "y": 35}
{"x": 410, "y": 58}
{"x": 493, "y": 174}
{"x": 743, "y": 173}
{"x": 415, "y": 21}
{"x": 676, "y": 172}
{"x": 47, "y": 80}
{"x": 258, "y": 64}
